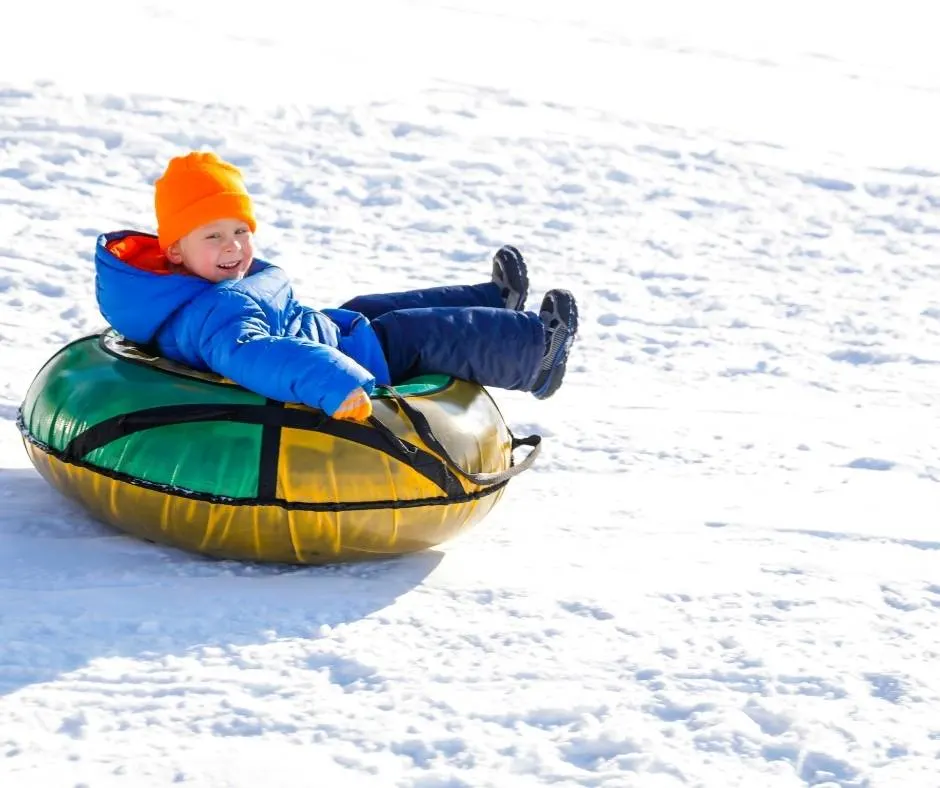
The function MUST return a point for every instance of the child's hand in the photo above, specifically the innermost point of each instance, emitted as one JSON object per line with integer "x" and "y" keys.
{"x": 356, "y": 407}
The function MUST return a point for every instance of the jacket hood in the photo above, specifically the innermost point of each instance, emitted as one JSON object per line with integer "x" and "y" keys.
{"x": 135, "y": 287}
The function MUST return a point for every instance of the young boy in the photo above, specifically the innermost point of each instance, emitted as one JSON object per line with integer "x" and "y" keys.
{"x": 197, "y": 292}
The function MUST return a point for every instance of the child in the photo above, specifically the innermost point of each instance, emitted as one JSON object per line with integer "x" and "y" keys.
{"x": 199, "y": 295}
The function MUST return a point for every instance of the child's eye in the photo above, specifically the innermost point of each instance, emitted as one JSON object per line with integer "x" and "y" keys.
{"x": 241, "y": 231}
{"x": 212, "y": 236}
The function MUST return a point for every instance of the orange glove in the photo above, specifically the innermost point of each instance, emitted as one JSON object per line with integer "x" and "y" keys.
{"x": 356, "y": 407}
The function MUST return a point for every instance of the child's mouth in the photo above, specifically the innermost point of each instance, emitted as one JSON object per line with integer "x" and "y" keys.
{"x": 230, "y": 266}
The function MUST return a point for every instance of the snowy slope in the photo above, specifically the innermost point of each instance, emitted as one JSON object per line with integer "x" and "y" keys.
{"x": 723, "y": 570}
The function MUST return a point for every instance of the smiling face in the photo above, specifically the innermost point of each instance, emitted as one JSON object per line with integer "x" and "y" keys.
{"x": 216, "y": 251}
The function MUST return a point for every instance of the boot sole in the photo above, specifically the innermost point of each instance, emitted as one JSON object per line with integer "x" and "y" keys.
{"x": 559, "y": 351}
{"x": 521, "y": 285}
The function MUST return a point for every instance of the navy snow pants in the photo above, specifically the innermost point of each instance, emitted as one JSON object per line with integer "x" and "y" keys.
{"x": 461, "y": 330}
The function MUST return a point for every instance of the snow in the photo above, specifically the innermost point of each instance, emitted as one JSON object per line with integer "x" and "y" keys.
{"x": 722, "y": 570}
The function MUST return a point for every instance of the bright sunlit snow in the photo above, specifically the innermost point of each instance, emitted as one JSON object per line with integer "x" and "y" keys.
{"x": 725, "y": 568}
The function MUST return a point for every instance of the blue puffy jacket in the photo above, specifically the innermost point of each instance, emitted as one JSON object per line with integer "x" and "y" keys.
{"x": 252, "y": 331}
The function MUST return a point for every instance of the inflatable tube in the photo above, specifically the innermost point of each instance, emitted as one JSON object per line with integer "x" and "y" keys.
{"x": 189, "y": 459}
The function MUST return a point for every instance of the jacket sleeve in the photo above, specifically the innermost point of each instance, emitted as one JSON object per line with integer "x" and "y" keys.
{"x": 234, "y": 340}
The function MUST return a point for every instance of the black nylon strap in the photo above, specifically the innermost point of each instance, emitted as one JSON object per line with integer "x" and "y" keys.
{"x": 421, "y": 426}
{"x": 267, "y": 416}
{"x": 270, "y": 457}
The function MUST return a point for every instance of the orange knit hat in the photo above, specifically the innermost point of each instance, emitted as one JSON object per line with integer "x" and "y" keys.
{"x": 196, "y": 189}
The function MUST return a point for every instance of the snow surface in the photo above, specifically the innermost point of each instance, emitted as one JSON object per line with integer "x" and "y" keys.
{"x": 724, "y": 569}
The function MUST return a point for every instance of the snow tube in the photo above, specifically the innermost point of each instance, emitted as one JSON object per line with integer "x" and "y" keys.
{"x": 189, "y": 459}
